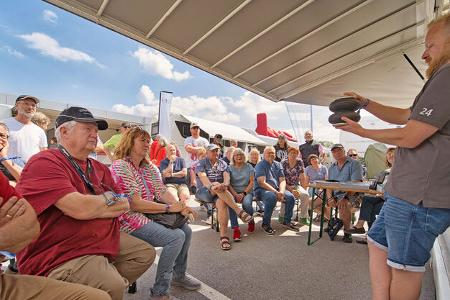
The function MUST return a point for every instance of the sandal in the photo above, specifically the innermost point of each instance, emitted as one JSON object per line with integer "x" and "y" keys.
{"x": 225, "y": 243}
{"x": 245, "y": 217}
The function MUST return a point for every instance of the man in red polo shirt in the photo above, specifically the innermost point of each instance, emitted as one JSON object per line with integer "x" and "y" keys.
{"x": 18, "y": 227}
{"x": 77, "y": 209}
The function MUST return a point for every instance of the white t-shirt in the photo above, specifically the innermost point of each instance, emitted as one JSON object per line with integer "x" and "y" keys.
{"x": 25, "y": 140}
{"x": 196, "y": 142}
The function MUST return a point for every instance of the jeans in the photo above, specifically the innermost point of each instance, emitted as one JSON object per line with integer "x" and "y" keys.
{"x": 270, "y": 201}
{"x": 173, "y": 259}
{"x": 205, "y": 197}
{"x": 246, "y": 206}
{"x": 407, "y": 232}
{"x": 370, "y": 208}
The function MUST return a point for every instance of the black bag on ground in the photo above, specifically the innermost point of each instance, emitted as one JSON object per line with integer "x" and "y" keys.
{"x": 169, "y": 220}
{"x": 334, "y": 225}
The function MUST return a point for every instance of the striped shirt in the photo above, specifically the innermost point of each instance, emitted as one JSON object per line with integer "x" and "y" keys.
{"x": 145, "y": 181}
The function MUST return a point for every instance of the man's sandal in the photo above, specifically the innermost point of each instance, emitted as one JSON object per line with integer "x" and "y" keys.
{"x": 245, "y": 217}
{"x": 225, "y": 243}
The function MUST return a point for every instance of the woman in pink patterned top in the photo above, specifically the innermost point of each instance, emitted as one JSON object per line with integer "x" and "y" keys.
{"x": 139, "y": 178}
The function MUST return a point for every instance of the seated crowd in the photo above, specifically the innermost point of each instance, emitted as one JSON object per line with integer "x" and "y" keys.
{"x": 87, "y": 231}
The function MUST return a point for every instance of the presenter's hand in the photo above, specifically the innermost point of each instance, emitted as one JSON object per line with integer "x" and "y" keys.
{"x": 350, "y": 126}
{"x": 358, "y": 97}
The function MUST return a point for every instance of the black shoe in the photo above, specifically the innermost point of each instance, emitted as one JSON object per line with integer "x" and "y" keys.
{"x": 326, "y": 229}
{"x": 355, "y": 230}
{"x": 291, "y": 226}
{"x": 268, "y": 229}
{"x": 347, "y": 238}
{"x": 193, "y": 190}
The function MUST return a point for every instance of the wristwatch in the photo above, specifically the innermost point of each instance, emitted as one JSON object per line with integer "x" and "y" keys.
{"x": 109, "y": 200}
{"x": 168, "y": 206}
{"x": 245, "y": 193}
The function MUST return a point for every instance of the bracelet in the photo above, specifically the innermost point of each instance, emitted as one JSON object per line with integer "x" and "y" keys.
{"x": 365, "y": 103}
{"x": 168, "y": 206}
{"x": 8, "y": 158}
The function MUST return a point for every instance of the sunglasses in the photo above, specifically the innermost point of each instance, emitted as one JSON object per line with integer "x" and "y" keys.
{"x": 353, "y": 155}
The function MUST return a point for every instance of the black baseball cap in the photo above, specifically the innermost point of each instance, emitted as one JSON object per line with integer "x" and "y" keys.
{"x": 79, "y": 114}
{"x": 27, "y": 97}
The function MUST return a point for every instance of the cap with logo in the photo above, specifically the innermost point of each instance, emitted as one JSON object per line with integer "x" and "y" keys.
{"x": 27, "y": 97}
{"x": 194, "y": 124}
{"x": 79, "y": 114}
{"x": 335, "y": 146}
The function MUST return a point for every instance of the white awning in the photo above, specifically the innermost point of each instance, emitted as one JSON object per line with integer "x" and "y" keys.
{"x": 306, "y": 51}
{"x": 229, "y": 132}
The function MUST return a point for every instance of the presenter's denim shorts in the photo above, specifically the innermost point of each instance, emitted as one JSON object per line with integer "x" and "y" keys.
{"x": 407, "y": 232}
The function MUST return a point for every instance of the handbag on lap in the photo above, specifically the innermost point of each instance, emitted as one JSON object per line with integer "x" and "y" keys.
{"x": 170, "y": 220}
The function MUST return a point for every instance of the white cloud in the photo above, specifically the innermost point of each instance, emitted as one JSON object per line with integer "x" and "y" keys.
{"x": 138, "y": 109}
{"x": 210, "y": 108}
{"x": 250, "y": 104}
{"x": 241, "y": 111}
{"x": 155, "y": 63}
{"x": 49, "y": 16}
{"x": 12, "y": 51}
{"x": 147, "y": 107}
{"x": 48, "y": 46}
{"x": 146, "y": 96}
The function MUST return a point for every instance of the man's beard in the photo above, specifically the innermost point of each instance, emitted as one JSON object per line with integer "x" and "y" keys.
{"x": 435, "y": 64}
{"x": 25, "y": 114}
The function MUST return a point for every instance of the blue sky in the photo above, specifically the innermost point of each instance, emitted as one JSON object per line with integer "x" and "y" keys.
{"x": 57, "y": 56}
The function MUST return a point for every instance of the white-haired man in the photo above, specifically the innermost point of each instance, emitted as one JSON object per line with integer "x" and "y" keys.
{"x": 25, "y": 137}
{"x": 18, "y": 228}
{"x": 270, "y": 188}
{"x": 77, "y": 209}
{"x": 417, "y": 208}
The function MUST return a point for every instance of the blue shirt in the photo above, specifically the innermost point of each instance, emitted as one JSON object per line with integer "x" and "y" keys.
{"x": 240, "y": 177}
{"x": 350, "y": 171}
{"x": 272, "y": 172}
{"x": 178, "y": 165}
{"x": 314, "y": 174}
{"x": 213, "y": 172}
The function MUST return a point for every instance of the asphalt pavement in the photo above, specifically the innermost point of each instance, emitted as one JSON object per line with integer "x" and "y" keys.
{"x": 282, "y": 266}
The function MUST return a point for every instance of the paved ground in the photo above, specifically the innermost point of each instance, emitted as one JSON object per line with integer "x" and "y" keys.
{"x": 275, "y": 267}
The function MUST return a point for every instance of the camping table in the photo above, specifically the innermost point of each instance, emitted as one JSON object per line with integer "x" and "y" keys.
{"x": 356, "y": 187}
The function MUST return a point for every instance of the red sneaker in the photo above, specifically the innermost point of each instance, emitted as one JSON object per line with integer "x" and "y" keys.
{"x": 236, "y": 234}
{"x": 251, "y": 226}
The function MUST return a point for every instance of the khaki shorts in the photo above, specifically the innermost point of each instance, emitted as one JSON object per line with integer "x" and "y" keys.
{"x": 177, "y": 189}
{"x": 26, "y": 287}
{"x": 135, "y": 257}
